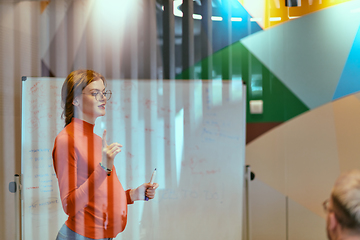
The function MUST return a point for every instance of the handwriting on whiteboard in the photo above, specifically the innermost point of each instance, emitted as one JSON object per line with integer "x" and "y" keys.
{"x": 45, "y": 206}
{"x": 200, "y": 166}
{"x": 40, "y": 150}
{"x": 212, "y": 136}
{"x": 191, "y": 194}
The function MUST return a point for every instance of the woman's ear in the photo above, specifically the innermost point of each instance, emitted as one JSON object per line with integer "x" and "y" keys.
{"x": 75, "y": 102}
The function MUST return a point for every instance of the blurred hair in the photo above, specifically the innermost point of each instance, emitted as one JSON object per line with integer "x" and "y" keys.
{"x": 73, "y": 86}
{"x": 345, "y": 197}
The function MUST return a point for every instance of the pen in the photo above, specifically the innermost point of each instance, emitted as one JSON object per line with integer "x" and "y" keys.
{"x": 151, "y": 182}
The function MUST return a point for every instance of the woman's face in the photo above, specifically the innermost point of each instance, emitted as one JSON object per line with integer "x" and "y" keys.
{"x": 87, "y": 105}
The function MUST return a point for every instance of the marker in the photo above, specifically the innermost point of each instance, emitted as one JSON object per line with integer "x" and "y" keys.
{"x": 151, "y": 182}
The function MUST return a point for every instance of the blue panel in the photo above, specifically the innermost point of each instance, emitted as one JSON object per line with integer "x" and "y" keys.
{"x": 350, "y": 78}
{"x": 239, "y": 29}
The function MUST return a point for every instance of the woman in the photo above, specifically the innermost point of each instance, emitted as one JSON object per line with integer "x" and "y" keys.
{"x": 91, "y": 193}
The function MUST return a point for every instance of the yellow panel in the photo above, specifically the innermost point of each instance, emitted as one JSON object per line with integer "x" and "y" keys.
{"x": 347, "y": 118}
{"x": 275, "y": 10}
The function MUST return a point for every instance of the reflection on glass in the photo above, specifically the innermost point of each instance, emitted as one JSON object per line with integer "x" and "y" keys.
{"x": 256, "y": 86}
{"x": 179, "y": 141}
{"x": 198, "y": 104}
{"x": 216, "y": 92}
{"x": 236, "y": 89}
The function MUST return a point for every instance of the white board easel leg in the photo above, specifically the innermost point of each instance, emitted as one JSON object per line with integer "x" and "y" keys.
{"x": 247, "y": 203}
{"x": 17, "y": 207}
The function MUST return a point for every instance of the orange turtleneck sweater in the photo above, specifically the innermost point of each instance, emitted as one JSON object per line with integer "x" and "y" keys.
{"x": 96, "y": 204}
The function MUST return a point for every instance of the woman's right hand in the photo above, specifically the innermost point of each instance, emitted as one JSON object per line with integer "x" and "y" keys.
{"x": 109, "y": 152}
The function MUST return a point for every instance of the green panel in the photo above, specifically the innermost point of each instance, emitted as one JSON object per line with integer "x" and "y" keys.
{"x": 280, "y": 104}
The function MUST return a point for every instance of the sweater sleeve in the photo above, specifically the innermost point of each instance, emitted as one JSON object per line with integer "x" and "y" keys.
{"x": 128, "y": 198}
{"x": 73, "y": 197}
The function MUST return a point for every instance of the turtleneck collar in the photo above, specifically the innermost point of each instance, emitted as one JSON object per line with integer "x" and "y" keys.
{"x": 83, "y": 125}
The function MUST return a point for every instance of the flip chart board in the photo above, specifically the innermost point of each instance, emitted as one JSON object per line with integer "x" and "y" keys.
{"x": 193, "y": 132}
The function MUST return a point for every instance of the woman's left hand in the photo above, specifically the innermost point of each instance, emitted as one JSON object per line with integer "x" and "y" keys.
{"x": 144, "y": 190}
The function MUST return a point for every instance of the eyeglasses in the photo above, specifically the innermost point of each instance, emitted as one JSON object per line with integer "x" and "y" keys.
{"x": 100, "y": 95}
{"x": 326, "y": 206}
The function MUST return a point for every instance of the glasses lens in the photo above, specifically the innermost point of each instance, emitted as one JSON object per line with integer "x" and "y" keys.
{"x": 100, "y": 95}
{"x": 108, "y": 94}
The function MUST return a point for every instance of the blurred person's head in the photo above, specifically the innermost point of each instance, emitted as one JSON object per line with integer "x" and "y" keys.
{"x": 80, "y": 94}
{"x": 343, "y": 207}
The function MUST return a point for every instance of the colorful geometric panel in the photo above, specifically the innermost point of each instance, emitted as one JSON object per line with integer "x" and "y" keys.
{"x": 280, "y": 103}
{"x": 308, "y": 55}
{"x": 350, "y": 78}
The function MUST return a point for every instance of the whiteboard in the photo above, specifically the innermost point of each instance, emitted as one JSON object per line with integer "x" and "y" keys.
{"x": 192, "y": 131}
